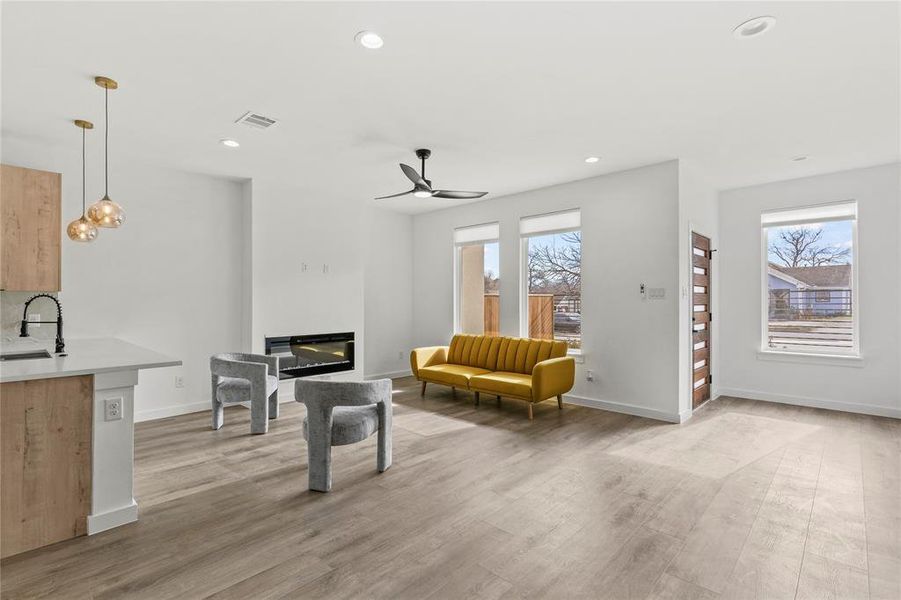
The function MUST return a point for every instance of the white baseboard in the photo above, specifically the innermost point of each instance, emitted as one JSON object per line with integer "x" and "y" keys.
{"x": 391, "y": 375}
{"x": 629, "y": 409}
{"x": 113, "y": 518}
{"x": 851, "y": 407}
{"x": 171, "y": 411}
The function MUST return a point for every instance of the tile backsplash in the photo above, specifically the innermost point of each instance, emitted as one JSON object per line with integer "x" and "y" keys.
{"x": 11, "y": 306}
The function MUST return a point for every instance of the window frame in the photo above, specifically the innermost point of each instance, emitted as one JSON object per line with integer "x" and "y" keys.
{"x": 458, "y": 266}
{"x": 524, "y": 273}
{"x": 815, "y": 354}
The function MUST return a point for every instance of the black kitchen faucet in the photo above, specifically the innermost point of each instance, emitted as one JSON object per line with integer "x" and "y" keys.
{"x": 60, "y": 342}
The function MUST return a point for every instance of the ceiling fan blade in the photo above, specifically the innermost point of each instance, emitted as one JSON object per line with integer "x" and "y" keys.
{"x": 457, "y": 195}
{"x": 396, "y": 195}
{"x": 413, "y": 176}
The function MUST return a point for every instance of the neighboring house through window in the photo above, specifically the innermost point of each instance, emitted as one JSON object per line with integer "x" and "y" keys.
{"x": 810, "y": 296}
{"x": 477, "y": 279}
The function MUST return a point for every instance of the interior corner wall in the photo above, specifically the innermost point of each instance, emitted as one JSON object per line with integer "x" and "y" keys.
{"x": 164, "y": 280}
{"x": 874, "y": 387}
{"x": 697, "y": 213}
{"x": 388, "y": 313}
{"x": 247, "y": 266}
{"x": 629, "y": 236}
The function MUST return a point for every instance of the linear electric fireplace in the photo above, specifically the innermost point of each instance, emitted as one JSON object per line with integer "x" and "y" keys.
{"x": 302, "y": 355}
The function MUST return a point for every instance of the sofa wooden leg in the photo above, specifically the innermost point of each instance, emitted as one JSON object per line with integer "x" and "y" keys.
{"x": 454, "y": 392}
{"x": 530, "y": 411}
{"x": 498, "y": 400}
{"x": 560, "y": 401}
{"x": 422, "y": 393}
{"x": 476, "y": 395}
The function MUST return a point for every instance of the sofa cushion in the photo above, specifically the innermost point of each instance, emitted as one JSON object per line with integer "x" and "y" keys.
{"x": 455, "y": 375}
{"x": 236, "y": 389}
{"x": 515, "y": 355}
{"x": 503, "y": 383}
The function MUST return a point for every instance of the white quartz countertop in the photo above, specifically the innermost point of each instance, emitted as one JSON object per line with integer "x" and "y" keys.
{"x": 85, "y": 356}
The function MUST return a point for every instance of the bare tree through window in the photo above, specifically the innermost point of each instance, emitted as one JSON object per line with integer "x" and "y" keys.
{"x": 554, "y": 272}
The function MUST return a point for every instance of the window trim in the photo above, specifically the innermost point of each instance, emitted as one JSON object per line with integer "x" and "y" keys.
{"x": 809, "y": 354}
{"x": 524, "y": 275}
{"x": 817, "y": 298}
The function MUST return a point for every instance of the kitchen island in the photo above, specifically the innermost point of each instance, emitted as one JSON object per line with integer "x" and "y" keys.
{"x": 67, "y": 440}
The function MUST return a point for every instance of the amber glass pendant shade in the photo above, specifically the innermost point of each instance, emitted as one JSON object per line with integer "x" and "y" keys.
{"x": 81, "y": 229}
{"x": 105, "y": 212}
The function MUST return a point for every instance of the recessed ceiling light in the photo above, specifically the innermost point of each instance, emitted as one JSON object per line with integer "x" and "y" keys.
{"x": 592, "y": 159}
{"x": 799, "y": 158}
{"x": 369, "y": 39}
{"x": 229, "y": 142}
{"x": 754, "y": 27}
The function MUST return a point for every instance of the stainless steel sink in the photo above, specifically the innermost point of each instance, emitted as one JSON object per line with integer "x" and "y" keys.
{"x": 25, "y": 355}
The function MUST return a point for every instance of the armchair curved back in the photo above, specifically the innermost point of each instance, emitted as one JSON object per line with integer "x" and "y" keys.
{"x": 325, "y": 395}
{"x": 241, "y": 364}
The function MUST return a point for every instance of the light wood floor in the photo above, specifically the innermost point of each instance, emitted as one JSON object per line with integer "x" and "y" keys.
{"x": 747, "y": 500}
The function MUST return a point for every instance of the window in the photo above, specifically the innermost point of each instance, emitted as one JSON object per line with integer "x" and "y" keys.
{"x": 809, "y": 290}
{"x": 477, "y": 281}
{"x": 551, "y": 302}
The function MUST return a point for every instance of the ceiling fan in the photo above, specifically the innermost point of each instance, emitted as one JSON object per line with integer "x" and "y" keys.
{"x": 422, "y": 187}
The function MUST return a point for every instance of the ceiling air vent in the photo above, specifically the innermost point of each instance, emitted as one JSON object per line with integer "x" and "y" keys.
{"x": 255, "y": 120}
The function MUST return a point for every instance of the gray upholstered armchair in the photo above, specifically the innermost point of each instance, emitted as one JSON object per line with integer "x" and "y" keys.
{"x": 239, "y": 377}
{"x": 340, "y": 413}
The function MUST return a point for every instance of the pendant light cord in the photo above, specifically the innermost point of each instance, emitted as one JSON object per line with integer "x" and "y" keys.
{"x": 106, "y": 142}
{"x": 82, "y": 173}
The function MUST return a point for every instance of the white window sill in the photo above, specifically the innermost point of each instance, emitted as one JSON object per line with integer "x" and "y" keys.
{"x": 576, "y": 354}
{"x": 810, "y": 358}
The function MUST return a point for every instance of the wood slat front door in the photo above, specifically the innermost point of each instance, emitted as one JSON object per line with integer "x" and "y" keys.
{"x": 701, "y": 319}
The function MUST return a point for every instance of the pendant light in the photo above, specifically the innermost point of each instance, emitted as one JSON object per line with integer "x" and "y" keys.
{"x": 81, "y": 229}
{"x": 105, "y": 212}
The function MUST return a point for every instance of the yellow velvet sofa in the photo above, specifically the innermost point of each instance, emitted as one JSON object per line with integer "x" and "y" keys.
{"x": 525, "y": 369}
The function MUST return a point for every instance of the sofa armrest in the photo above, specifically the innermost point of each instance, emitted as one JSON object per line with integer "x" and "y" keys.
{"x": 552, "y": 377}
{"x": 426, "y": 357}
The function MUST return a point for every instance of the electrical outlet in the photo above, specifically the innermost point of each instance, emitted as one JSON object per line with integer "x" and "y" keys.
{"x": 112, "y": 409}
{"x": 34, "y": 318}
{"x": 400, "y": 355}
{"x": 589, "y": 375}
{"x": 179, "y": 381}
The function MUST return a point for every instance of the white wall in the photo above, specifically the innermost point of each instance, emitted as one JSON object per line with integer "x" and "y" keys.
{"x": 698, "y": 213}
{"x": 307, "y": 256}
{"x": 169, "y": 279}
{"x": 629, "y": 236}
{"x": 872, "y": 388}
{"x": 388, "y": 312}
{"x": 368, "y": 255}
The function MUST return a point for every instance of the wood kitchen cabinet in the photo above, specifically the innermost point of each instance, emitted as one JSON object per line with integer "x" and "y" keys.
{"x": 30, "y": 202}
{"x": 45, "y": 461}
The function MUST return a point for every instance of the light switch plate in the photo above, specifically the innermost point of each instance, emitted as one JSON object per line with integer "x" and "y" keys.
{"x": 656, "y": 293}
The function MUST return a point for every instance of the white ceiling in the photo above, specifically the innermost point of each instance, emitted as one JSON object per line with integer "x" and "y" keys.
{"x": 509, "y": 96}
